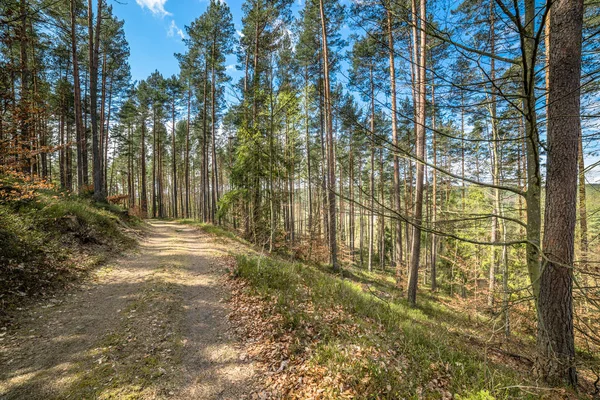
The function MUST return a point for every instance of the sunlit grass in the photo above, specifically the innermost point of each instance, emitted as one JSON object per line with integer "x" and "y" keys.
{"x": 403, "y": 351}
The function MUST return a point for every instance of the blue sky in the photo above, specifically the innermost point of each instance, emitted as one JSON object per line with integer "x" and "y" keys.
{"x": 154, "y": 30}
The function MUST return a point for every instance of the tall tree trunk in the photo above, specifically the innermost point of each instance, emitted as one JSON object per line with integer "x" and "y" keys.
{"x": 69, "y": 161}
{"x": 98, "y": 181}
{"x": 84, "y": 136}
{"x": 25, "y": 96}
{"x": 205, "y": 183}
{"x": 583, "y": 226}
{"x": 79, "y": 134}
{"x": 102, "y": 116}
{"x": 144, "y": 185}
{"x": 361, "y": 241}
{"x": 271, "y": 140}
{"x": 381, "y": 216}
{"x": 154, "y": 161}
{"x": 556, "y": 348}
{"x": 352, "y": 221}
{"x": 420, "y": 153}
{"x": 292, "y": 187}
{"x": 174, "y": 160}
{"x": 308, "y": 164}
{"x": 63, "y": 147}
{"x": 330, "y": 159}
{"x": 187, "y": 154}
{"x": 495, "y": 161}
{"x": 532, "y": 145}
{"x": 107, "y": 136}
{"x": 130, "y": 176}
{"x": 372, "y": 174}
{"x": 434, "y": 238}
{"x": 398, "y": 204}
{"x": 215, "y": 174}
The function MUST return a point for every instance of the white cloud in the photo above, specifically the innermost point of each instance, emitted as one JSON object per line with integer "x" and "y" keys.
{"x": 157, "y": 7}
{"x": 240, "y": 34}
{"x": 230, "y": 67}
{"x": 174, "y": 29}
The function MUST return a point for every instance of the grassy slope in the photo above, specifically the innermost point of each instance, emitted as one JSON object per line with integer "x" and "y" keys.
{"x": 360, "y": 339}
{"x": 49, "y": 239}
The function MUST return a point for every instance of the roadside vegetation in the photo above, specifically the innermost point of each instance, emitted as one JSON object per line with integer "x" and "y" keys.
{"x": 50, "y": 239}
{"x": 319, "y": 334}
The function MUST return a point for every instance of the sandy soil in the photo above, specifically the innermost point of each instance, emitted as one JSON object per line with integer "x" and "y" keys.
{"x": 150, "y": 325}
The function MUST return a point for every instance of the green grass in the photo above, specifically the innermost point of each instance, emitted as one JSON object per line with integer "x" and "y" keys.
{"x": 403, "y": 350}
{"x": 50, "y": 239}
{"x": 213, "y": 230}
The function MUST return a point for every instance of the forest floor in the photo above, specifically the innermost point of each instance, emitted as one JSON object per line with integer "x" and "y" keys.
{"x": 152, "y": 324}
{"x": 198, "y": 314}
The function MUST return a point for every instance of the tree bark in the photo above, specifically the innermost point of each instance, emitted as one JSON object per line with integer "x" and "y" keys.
{"x": 398, "y": 204}
{"x": 532, "y": 145}
{"x": 144, "y": 189}
{"x": 434, "y": 238}
{"x": 330, "y": 157}
{"x": 77, "y": 99}
{"x": 372, "y": 174}
{"x": 555, "y": 341}
{"x": 420, "y": 153}
{"x": 99, "y": 194}
{"x": 174, "y": 159}
{"x": 187, "y": 155}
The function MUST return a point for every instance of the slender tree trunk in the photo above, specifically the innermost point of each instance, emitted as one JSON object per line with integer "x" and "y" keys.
{"x": 62, "y": 142}
{"x": 292, "y": 187}
{"x": 205, "y": 182}
{"x": 24, "y": 95}
{"x": 381, "y": 216}
{"x": 271, "y": 161}
{"x": 330, "y": 157}
{"x": 583, "y": 226}
{"x": 324, "y": 207}
{"x": 398, "y": 204}
{"x": 130, "y": 176}
{"x": 187, "y": 155}
{"x": 99, "y": 194}
{"x": 84, "y": 136}
{"x": 495, "y": 161}
{"x": 532, "y": 144}
{"x": 361, "y": 240}
{"x": 420, "y": 153}
{"x": 372, "y": 173}
{"x": 352, "y": 221}
{"x": 102, "y": 116}
{"x": 215, "y": 174}
{"x": 308, "y": 158}
{"x": 174, "y": 160}
{"x": 144, "y": 185}
{"x": 505, "y": 289}
{"x": 69, "y": 161}
{"x": 434, "y": 238}
{"x": 107, "y": 136}
{"x": 154, "y": 161}
{"x": 79, "y": 134}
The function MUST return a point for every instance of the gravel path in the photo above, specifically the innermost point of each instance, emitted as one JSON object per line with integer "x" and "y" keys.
{"x": 150, "y": 325}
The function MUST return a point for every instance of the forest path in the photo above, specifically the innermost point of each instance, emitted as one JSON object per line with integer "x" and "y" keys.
{"x": 149, "y": 325}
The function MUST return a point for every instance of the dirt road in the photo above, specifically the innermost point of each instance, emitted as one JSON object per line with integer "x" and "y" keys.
{"x": 150, "y": 325}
